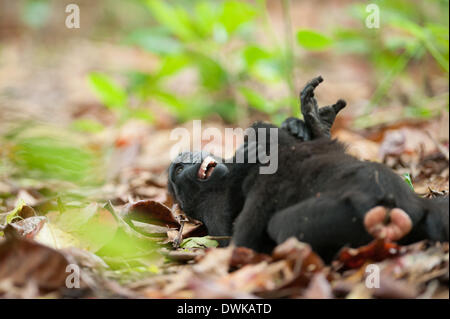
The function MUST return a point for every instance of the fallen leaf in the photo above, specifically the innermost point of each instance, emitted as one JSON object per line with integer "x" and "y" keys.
{"x": 319, "y": 288}
{"x": 23, "y": 261}
{"x": 377, "y": 250}
{"x": 199, "y": 242}
{"x": 244, "y": 256}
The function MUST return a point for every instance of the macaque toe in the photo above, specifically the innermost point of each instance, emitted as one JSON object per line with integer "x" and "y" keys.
{"x": 308, "y": 91}
{"x": 393, "y": 224}
{"x": 340, "y": 104}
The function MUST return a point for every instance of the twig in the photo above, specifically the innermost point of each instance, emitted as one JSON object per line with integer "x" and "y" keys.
{"x": 177, "y": 241}
{"x": 439, "y": 146}
{"x": 289, "y": 53}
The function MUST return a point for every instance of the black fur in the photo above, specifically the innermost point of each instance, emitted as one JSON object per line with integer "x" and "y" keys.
{"x": 319, "y": 194}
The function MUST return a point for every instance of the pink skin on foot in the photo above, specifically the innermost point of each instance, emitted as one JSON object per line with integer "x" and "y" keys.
{"x": 399, "y": 223}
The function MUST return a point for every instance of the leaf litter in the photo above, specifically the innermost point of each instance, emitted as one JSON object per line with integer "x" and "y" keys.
{"x": 130, "y": 240}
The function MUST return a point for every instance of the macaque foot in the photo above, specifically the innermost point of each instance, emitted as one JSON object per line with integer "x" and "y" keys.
{"x": 391, "y": 224}
{"x": 317, "y": 122}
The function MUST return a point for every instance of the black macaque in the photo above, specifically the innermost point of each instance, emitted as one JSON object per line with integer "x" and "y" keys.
{"x": 319, "y": 194}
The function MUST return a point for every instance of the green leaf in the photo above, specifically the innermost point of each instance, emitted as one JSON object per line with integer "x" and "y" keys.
{"x": 45, "y": 157}
{"x": 257, "y": 101}
{"x": 14, "y": 213}
{"x": 408, "y": 180}
{"x": 253, "y": 54}
{"x": 199, "y": 242}
{"x": 112, "y": 95}
{"x": 313, "y": 40}
{"x": 213, "y": 75}
{"x": 174, "y": 18}
{"x": 173, "y": 64}
{"x": 227, "y": 109}
{"x": 36, "y": 13}
{"x": 206, "y": 16}
{"x": 352, "y": 41}
{"x": 87, "y": 125}
{"x": 143, "y": 114}
{"x": 155, "y": 41}
{"x": 235, "y": 14}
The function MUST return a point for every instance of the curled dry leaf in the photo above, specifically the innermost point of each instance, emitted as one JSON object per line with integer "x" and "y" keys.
{"x": 156, "y": 213}
{"x": 39, "y": 229}
{"x": 149, "y": 211}
{"x": 27, "y": 228}
{"x": 302, "y": 260}
{"x": 376, "y": 251}
{"x": 295, "y": 251}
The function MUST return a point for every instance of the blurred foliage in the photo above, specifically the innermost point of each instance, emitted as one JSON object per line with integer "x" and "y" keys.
{"x": 42, "y": 153}
{"x": 195, "y": 36}
{"x": 115, "y": 99}
{"x": 410, "y": 32}
{"x": 215, "y": 42}
{"x": 213, "y": 60}
{"x": 35, "y": 13}
{"x": 232, "y": 60}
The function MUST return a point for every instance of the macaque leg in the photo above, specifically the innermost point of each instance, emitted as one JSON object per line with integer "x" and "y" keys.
{"x": 324, "y": 222}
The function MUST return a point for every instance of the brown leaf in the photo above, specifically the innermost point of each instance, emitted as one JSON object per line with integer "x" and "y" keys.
{"x": 304, "y": 263}
{"x": 394, "y": 289}
{"x": 377, "y": 250}
{"x": 319, "y": 288}
{"x": 151, "y": 212}
{"x": 244, "y": 256}
{"x": 27, "y": 228}
{"x": 188, "y": 226}
{"x": 299, "y": 254}
{"x": 23, "y": 260}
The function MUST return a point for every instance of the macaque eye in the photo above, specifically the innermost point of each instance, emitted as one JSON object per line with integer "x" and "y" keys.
{"x": 178, "y": 169}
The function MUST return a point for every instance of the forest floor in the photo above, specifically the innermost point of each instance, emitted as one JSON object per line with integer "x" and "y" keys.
{"x": 44, "y": 235}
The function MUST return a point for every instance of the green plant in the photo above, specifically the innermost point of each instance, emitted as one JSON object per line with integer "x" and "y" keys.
{"x": 36, "y": 153}
{"x": 115, "y": 99}
{"x": 215, "y": 45}
{"x": 410, "y": 32}
{"x": 216, "y": 42}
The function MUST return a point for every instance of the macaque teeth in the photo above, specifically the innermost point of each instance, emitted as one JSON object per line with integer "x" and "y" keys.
{"x": 204, "y": 167}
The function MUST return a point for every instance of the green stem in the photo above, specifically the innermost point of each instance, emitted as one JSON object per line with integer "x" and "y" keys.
{"x": 289, "y": 55}
{"x": 399, "y": 66}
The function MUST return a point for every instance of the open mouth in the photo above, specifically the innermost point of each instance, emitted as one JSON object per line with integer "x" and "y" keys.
{"x": 206, "y": 168}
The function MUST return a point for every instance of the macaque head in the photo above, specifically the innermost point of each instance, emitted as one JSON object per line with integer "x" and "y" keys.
{"x": 194, "y": 175}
